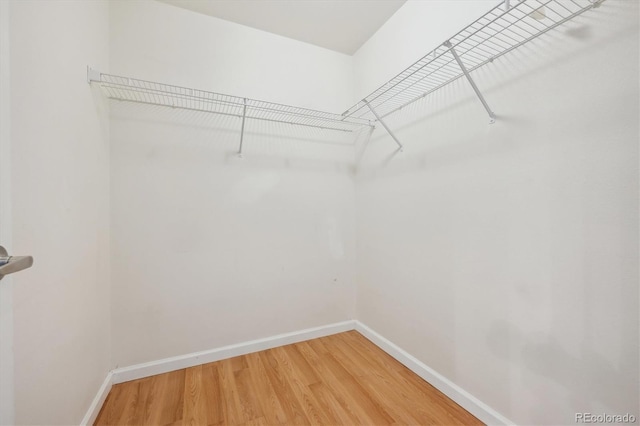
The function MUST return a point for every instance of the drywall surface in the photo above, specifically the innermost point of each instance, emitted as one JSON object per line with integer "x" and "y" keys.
{"x": 164, "y": 43}
{"x": 59, "y": 148}
{"x": 505, "y": 256}
{"x": 7, "y": 409}
{"x": 209, "y": 249}
{"x": 396, "y": 45}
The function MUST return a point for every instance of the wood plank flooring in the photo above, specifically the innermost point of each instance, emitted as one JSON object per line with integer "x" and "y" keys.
{"x": 342, "y": 379}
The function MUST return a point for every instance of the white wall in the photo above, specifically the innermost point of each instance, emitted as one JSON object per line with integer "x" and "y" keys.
{"x": 160, "y": 42}
{"x": 209, "y": 249}
{"x": 59, "y": 141}
{"x": 415, "y": 29}
{"x": 505, "y": 256}
{"x": 7, "y": 411}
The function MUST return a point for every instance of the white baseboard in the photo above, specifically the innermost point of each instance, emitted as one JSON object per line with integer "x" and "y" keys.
{"x": 166, "y": 365}
{"x": 463, "y": 398}
{"x": 96, "y": 404}
{"x": 467, "y": 401}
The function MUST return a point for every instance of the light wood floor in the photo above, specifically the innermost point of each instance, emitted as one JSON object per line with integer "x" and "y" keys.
{"x": 342, "y": 379}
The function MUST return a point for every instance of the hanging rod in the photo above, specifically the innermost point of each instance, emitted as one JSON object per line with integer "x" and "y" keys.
{"x": 507, "y": 26}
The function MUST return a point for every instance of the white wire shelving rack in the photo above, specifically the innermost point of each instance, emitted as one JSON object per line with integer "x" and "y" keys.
{"x": 152, "y": 93}
{"x": 507, "y": 26}
{"x": 504, "y": 28}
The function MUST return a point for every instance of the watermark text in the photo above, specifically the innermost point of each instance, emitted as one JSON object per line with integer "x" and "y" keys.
{"x": 605, "y": 418}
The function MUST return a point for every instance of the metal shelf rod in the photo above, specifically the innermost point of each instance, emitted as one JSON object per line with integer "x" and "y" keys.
{"x": 219, "y": 102}
{"x": 381, "y": 121}
{"x": 238, "y": 115}
{"x": 244, "y": 116}
{"x": 492, "y": 116}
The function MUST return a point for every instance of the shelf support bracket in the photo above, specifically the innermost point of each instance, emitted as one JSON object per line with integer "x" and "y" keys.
{"x": 383, "y": 124}
{"x": 492, "y": 116}
{"x": 93, "y": 75}
{"x": 244, "y": 116}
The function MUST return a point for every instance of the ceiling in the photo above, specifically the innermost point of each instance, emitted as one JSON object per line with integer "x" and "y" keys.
{"x": 340, "y": 25}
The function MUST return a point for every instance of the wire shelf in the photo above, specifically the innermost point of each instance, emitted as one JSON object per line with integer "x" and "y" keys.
{"x": 502, "y": 29}
{"x": 147, "y": 92}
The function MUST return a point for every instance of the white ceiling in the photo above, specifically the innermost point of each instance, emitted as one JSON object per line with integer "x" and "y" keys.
{"x": 340, "y": 25}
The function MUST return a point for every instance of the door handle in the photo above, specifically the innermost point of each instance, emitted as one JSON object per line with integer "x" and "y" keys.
{"x": 11, "y": 264}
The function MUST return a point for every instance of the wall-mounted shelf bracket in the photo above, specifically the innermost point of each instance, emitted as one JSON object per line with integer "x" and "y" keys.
{"x": 373, "y": 111}
{"x": 492, "y": 116}
{"x": 244, "y": 116}
{"x": 92, "y": 75}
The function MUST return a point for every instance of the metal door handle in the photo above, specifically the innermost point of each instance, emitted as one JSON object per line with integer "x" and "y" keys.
{"x": 11, "y": 264}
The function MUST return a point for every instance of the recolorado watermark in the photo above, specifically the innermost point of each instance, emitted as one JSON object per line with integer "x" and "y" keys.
{"x": 605, "y": 418}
